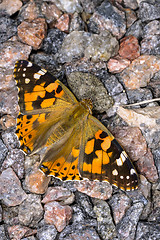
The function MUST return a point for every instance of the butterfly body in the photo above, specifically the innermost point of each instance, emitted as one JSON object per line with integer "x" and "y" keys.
{"x": 78, "y": 145}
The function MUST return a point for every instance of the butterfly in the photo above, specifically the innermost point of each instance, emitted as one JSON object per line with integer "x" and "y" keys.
{"x": 78, "y": 146}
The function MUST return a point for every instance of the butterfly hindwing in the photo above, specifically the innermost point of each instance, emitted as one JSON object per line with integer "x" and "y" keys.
{"x": 61, "y": 159}
{"x": 102, "y": 157}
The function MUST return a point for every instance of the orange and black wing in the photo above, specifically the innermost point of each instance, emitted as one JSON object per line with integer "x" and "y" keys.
{"x": 42, "y": 99}
{"x": 102, "y": 158}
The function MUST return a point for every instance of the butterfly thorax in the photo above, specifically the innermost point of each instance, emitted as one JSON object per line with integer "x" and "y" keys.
{"x": 87, "y": 104}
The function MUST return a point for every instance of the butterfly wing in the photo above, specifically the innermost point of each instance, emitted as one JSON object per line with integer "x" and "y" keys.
{"x": 102, "y": 158}
{"x": 61, "y": 159}
{"x": 43, "y": 100}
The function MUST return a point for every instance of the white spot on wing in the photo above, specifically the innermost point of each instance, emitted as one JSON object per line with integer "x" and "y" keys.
{"x": 42, "y": 71}
{"x": 132, "y": 171}
{"x": 121, "y": 177}
{"x": 27, "y": 80}
{"x": 123, "y": 156}
{"x": 127, "y": 177}
{"x": 119, "y": 162}
{"x": 115, "y": 172}
{"x": 24, "y": 69}
{"x": 23, "y": 74}
{"x": 29, "y": 64}
{"x": 37, "y": 76}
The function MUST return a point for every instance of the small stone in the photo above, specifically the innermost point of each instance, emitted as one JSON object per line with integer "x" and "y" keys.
{"x": 63, "y": 23}
{"x": 136, "y": 29}
{"x": 117, "y": 64}
{"x": 47, "y": 232}
{"x": 126, "y": 228}
{"x": 10, "y": 188}
{"x": 59, "y": 194}
{"x": 139, "y": 95}
{"x": 79, "y": 215}
{"x": 7, "y": 122}
{"x": 2, "y": 233}
{"x": 120, "y": 203}
{"x": 3, "y": 152}
{"x": 85, "y": 85}
{"x": 90, "y": 5}
{"x": 57, "y": 214}
{"x": 30, "y": 211}
{"x": 131, "y": 4}
{"x": 53, "y": 42}
{"x": 10, "y": 215}
{"x": 109, "y": 18}
{"x": 95, "y": 189}
{"x": 17, "y": 232}
{"x": 11, "y": 51}
{"x": 101, "y": 47}
{"x": 106, "y": 228}
{"x": 87, "y": 233}
{"x": 134, "y": 77}
{"x": 151, "y": 29}
{"x": 145, "y": 187}
{"x": 83, "y": 65}
{"x": 76, "y": 23}
{"x": 149, "y": 11}
{"x": 84, "y": 201}
{"x": 8, "y": 28}
{"x": 36, "y": 181}
{"x": 113, "y": 86}
{"x": 10, "y": 140}
{"x": 150, "y": 45}
{"x": 155, "y": 88}
{"x": 15, "y": 159}
{"x": 51, "y": 12}
{"x": 68, "y": 6}
{"x": 146, "y": 230}
{"x": 92, "y": 46}
{"x": 132, "y": 140}
{"x": 33, "y": 33}
{"x": 30, "y": 11}
{"x": 10, "y": 7}
{"x": 129, "y": 48}
{"x": 146, "y": 166}
{"x": 131, "y": 17}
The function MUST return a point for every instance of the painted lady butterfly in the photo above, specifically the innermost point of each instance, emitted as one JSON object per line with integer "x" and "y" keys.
{"x": 78, "y": 145}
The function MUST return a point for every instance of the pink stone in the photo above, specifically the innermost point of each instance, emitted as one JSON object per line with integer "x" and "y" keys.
{"x": 57, "y": 214}
{"x": 117, "y": 64}
{"x": 134, "y": 77}
{"x": 63, "y": 23}
{"x": 17, "y": 232}
{"x": 129, "y": 48}
{"x": 146, "y": 166}
{"x": 58, "y": 194}
{"x": 132, "y": 140}
{"x": 33, "y": 33}
{"x": 96, "y": 189}
{"x": 36, "y": 181}
{"x": 11, "y": 192}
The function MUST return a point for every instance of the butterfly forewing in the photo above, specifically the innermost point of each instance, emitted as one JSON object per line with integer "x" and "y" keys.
{"x": 77, "y": 144}
{"x": 38, "y": 89}
{"x": 43, "y": 100}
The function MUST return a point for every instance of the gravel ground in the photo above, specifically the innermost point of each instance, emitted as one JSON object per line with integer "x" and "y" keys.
{"x": 107, "y": 51}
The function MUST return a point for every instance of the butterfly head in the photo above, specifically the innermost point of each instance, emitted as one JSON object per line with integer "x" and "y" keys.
{"x": 87, "y": 103}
